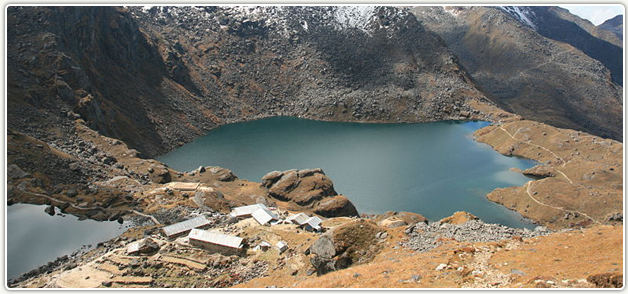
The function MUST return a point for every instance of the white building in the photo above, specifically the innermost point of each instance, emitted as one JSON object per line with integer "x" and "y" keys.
{"x": 184, "y": 227}
{"x": 216, "y": 242}
{"x": 264, "y": 246}
{"x": 264, "y": 216}
{"x": 282, "y": 246}
{"x": 246, "y": 211}
{"x": 309, "y": 223}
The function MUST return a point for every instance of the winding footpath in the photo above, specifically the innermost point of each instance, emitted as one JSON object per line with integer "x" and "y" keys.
{"x": 152, "y": 218}
{"x": 528, "y": 184}
{"x": 556, "y": 207}
{"x": 539, "y": 146}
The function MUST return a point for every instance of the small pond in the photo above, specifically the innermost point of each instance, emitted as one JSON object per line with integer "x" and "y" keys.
{"x": 34, "y": 238}
{"x": 434, "y": 169}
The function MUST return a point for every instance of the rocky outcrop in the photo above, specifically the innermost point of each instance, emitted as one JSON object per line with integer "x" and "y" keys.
{"x": 308, "y": 188}
{"x": 393, "y": 219}
{"x": 459, "y": 217}
{"x": 540, "y": 171}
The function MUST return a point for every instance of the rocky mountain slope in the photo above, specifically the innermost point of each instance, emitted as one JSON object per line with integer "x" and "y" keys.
{"x": 558, "y": 24}
{"x": 528, "y": 73}
{"x": 614, "y": 25}
{"x": 157, "y": 77}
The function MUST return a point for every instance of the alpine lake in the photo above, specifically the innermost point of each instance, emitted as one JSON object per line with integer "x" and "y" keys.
{"x": 433, "y": 169}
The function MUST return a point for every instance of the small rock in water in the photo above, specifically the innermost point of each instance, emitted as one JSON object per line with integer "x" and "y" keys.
{"x": 50, "y": 210}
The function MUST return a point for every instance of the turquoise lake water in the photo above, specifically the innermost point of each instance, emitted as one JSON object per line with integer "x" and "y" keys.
{"x": 434, "y": 169}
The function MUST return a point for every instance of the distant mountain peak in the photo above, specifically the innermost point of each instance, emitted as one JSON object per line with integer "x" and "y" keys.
{"x": 614, "y": 25}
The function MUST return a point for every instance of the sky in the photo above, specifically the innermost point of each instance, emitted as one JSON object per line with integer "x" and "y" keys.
{"x": 595, "y": 14}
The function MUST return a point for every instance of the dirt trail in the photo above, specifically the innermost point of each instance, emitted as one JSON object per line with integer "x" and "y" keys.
{"x": 556, "y": 207}
{"x": 539, "y": 146}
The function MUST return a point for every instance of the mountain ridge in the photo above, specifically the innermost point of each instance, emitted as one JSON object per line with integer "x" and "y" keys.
{"x": 614, "y": 25}
{"x": 524, "y": 72}
{"x": 168, "y": 87}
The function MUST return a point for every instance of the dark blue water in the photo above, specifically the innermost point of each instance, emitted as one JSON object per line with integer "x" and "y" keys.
{"x": 434, "y": 169}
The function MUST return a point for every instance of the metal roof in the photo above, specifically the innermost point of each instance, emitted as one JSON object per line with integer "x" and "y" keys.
{"x": 185, "y": 226}
{"x": 247, "y": 210}
{"x": 281, "y": 245}
{"x": 264, "y": 244}
{"x": 216, "y": 238}
{"x": 314, "y": 222}
{"x": 183, "y": 186}
{"x": 133, "y": 247}
{"x": 264, "y": 215}
{"x": 299, "y": 219}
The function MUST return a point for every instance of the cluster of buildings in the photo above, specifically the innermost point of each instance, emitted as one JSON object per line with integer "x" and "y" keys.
{"x": 233, "y": 245}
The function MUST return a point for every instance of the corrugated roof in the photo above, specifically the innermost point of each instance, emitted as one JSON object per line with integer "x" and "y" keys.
{"x": 247, "y": 210}
{"x": 133, "y": 247}
{"x": 314, "y": 222}
{"x": 263, "y": 215}
{"x": 264, "y": 244}
{"x": 216, "y": 238}
{"x": 299, "y": 219}
{"x": 281, "y": 245}
{"x": 185, "y": 226}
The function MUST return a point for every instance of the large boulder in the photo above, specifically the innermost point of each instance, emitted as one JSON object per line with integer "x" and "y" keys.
{"x": 223, "y": 174}
{"x": 335, "y": 206}
{"x": 540, "y": 171}
{"x": 159, "y": 174}
{"x": 309, "y": 188}
{"x": 323, "y": 247}
{"x": 352, "y": 243}
{"x": 323, "y": 251}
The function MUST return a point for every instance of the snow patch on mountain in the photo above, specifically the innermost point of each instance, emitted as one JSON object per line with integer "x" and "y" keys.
{"x": 452, "y": 10}
{"x": 285, "y": 20}
{"x": 525, "y": 16}
{"x": 358, "y": 17}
